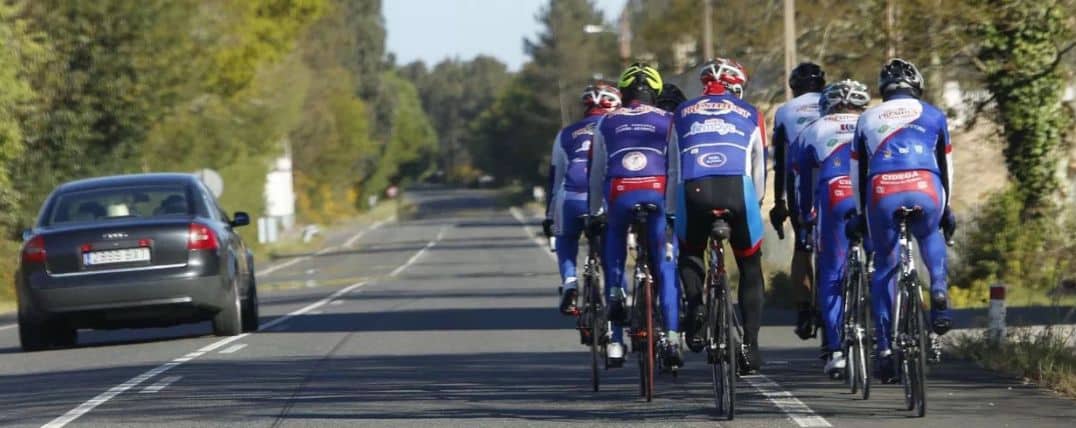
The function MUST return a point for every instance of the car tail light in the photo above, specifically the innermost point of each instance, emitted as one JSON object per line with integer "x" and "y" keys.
{"x": 201, "y": 237}
{"x": 33, "y": 252}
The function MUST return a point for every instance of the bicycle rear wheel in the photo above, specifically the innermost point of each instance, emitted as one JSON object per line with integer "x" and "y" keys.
{"x": 725, "y": 348}
{"x": 918, "y": 357}
{"x": 850, "y": 327}
{"x": 648, "y": 374}
{"x": 865, "y": 340}
{"x": 592, "y": 314}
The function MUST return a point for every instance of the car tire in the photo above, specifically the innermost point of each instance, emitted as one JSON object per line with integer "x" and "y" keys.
{"x": 62, "y": 334}
{"x": 250, "y": 307}
{"x": 33, "y": 336}
{"x": 228, "y": 322}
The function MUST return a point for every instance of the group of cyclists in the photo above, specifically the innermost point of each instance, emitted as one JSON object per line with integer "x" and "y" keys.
{"x": 843, "y": 168}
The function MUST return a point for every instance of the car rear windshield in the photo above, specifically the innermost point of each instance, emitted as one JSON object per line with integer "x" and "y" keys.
{"x": 116, "y": 203}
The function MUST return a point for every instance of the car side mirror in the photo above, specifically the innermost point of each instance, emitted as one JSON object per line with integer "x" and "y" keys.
{"x": 27, "y": 234}
{"x": 240, "y": 219}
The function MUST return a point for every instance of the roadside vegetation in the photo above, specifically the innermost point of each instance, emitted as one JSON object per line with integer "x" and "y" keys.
{"x": 1046, "y": 356}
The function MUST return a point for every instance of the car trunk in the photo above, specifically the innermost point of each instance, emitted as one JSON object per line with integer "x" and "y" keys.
{"x": 144, "y": 243}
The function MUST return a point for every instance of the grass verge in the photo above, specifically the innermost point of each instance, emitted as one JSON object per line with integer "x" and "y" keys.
{"x": 1044, "y": 355}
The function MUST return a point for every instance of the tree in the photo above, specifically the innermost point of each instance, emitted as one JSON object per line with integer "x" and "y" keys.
{"x": 17, "y": 53}
{"x": 511, "y": 138}
{"x": 1023, "y": 46}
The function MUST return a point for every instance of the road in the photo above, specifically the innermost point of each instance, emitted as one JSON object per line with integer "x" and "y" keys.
{"x": 444, "y": 320}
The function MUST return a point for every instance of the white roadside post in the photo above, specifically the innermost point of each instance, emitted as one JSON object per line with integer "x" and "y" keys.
{"x": 996, "y": 330}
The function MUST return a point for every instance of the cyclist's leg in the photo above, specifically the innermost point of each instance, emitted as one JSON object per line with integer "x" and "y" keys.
{"x": 883, "y": 235}
{"x": 746, "y": 242}
{"x": 664, "y": 277}
{"x": 832, "y": 245}
{"x": 570, "y": 226}
{"x": 697, "y": 220}
{"x": 614, "y": 252}
{"x": 932, "y": 248}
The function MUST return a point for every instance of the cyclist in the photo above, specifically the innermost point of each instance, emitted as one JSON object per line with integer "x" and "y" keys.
{"x": 721, "y": 144}
{"x": 901, "y": 157}
{"x": 568, "y": 185}
{"x": 629, "y": 166}
{"x": 806, "y": 82}
{"x": 824, "y": 196}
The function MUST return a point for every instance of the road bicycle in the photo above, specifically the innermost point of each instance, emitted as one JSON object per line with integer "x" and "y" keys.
{"x": 910, "y": 340}
{"x": 856, "y": 343}
{"x": 643, "y": 314}
{"x": 592, "y": 321}
{"x": 723, "y": 331}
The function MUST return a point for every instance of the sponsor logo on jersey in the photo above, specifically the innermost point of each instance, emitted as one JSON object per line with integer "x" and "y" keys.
{"x": 915, "y": 127}
{"x": 802, "y": 119}
{"x": 707, "y": 108}
{"x": 629, "y": 127}
{"x": 837, "y": 162}
{"x": 807, "y": 107}
{"x": 712, "y": 160}
{"x": 848, "y": 127}
{"x": 898, "y": 114}
{"x": 882, "y": 129}
{"x": 638, "y": 110}
{"x": 832, "y": 142}
{"x": 586, "y": 130}
{"x": 900, "y": 176}
{"x": 711, "y": 126}
{"x": 634, "y": 161}
{"x": 584, "y": 147}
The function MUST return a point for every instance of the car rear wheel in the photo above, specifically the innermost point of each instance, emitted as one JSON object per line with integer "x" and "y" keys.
{"x": 250, "y": 307}
{"x": 37, "y": 335}
{"x": 227, "y": 322}
{"x": 32, "y": 334}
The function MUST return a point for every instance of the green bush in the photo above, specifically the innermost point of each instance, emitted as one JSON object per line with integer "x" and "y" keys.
{"x": 997, "y": 245}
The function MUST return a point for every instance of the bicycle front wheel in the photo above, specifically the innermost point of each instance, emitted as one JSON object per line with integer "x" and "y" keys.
{"x": 592, "y": 314}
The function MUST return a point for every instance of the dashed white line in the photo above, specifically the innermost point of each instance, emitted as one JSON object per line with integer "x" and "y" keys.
{"x": 350, "y": 243}
{"x": 160, "y": 385}
{"x": 399, "y": 269}
{"x": 234, "y": 348}
{"x": 5, "y": 327}
{"x": 518, "y": 214}
{"x": 355, "y": 239}
{"x": 792, "y": 407}
{"x": 111, "y": 393}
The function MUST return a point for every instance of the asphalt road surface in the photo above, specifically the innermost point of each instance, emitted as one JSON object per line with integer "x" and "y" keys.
{"x": 444, "y": 320}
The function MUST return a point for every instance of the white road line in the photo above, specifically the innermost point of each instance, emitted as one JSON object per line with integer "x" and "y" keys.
{"x": 350, "y": 243}
{"x": 399, "y": 269}
{"x": 161, "y": 384}
{"x": 111, "y": 393}
{"x": 5, "y": 327}
{"x": 792, "y": 407}
{"x": 234, "y": 348}
{"x": 355, "y": 239}
{"x": 542, "y": 244}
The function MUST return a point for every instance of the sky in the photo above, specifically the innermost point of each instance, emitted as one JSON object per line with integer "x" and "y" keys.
{"x": 432, "y": 30}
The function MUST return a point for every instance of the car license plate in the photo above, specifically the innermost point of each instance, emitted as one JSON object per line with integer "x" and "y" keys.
{"x": 126, "y": 255}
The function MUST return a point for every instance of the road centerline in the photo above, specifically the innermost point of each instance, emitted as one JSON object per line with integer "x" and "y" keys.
{"x": 793, "y": 407}
{"x": 160, "y": 385}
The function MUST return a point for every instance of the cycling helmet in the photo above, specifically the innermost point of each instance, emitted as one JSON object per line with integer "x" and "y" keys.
{"x": 641, "y": 82}
{"x": 600, "y": 96}
{"x": 847, "y": 93}
{"x": 900, "y": 74}
{"x": 807, "y": 77}
{"x": 671, "y": 97}
{"x": 724, "y": 72}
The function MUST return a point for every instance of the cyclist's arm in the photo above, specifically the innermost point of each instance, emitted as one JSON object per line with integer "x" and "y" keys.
{"x": 558, "y": 165}
{"x": 857, "y": 167}
{"x": 672, "y": 176}
{"x": 806, "y": 180}
{"x": 944, "y": 154}
{"x": 596, "y": 171}
{"x": 757, "y": 159}
{"x": 780, "y": 159}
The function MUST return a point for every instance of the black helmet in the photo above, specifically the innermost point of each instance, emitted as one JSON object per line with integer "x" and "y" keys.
{"x": 671, "y": 97}
{"x": 900, "y": 74}
{"x": 807, "y": 77}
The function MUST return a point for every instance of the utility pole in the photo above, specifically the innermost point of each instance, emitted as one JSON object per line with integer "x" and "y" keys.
{"x": 707, "y": 30}
{"x": 624, "y": 35}
{"x": 890, "y": 29}
{"x": 790, "y": 42}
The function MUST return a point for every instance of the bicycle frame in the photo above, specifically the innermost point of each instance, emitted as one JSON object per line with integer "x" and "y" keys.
{"x": 907, "y": 270}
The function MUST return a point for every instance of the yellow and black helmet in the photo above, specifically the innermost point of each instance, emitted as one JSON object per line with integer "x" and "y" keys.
{"x": 641, "y": 73}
